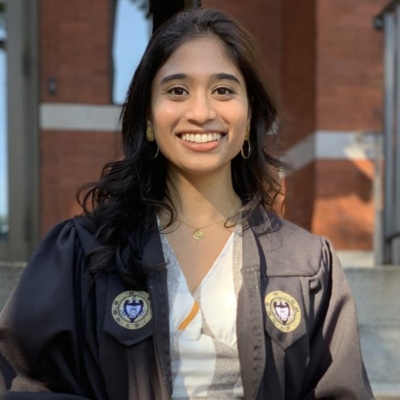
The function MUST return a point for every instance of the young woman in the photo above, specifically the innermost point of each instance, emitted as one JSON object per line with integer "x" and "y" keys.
{"x": 179, "y": 281}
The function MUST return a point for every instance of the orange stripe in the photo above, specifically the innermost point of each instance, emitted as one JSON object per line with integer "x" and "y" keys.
{"x": 189, "y": 317}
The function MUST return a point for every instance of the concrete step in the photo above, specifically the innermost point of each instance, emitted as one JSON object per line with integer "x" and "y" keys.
{"x": 377, "y": 295}
{"x": 9, "y": 276}
{"x": 386, "y": 392}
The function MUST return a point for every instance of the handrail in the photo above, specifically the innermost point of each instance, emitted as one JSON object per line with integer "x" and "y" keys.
{"x": 393, "y": 236}
{"x": 379, "y": 20}
{"x": 388, "y": 20}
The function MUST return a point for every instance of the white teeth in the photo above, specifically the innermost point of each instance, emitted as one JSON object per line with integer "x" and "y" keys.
{"x": 201, "y": 137}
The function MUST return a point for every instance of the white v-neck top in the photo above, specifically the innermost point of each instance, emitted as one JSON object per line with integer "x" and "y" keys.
{"x": 203, "y": 341}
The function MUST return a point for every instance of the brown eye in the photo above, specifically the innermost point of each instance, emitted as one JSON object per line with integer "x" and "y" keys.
{"x": 223, "y": 91}
{"x": 177, "y": 91}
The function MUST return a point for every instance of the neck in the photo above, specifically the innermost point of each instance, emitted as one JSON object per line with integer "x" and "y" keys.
{"x": 203, "y": 199}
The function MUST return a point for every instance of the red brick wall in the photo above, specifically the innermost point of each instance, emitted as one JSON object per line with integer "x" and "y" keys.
{"x": 75, "y": 49}
{"x": 69, "y": 160}
{"x": 343, "y": 208}
{"x": 300, "y": 196}
{"x": 321, "y": 59}
{"x": 298, "y": 99}
{"x": 349, "y": 97}
{"x": 348, "y": 91}
{"x": 350, "y": 67}
{"x": 298, "y": 70}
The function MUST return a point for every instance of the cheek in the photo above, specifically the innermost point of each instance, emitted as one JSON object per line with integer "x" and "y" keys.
{"x": 238, "y": 112}
{"x": 238, "y": 117}
{"x": 164, "y": 116}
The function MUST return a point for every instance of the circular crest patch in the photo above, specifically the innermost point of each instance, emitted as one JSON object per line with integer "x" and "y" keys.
{"x": 283, "y": 310}
{"x": 131, "y": 309}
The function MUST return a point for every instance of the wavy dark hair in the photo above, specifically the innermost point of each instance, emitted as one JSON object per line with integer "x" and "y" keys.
{"x": 121, "y": 207}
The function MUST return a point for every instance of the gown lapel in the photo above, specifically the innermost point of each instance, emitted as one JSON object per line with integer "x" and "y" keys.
{"x": 155, "y": 265}
{"x": 254, "y": 345}
{"x": 250, "y": 330}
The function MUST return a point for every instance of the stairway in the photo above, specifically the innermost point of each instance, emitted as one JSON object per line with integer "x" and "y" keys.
{"x": 9, "y": 275}
{"x": 377, "y": 294}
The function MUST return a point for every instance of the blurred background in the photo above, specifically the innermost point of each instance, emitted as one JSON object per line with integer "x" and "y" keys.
{"x": 333, "y": 68}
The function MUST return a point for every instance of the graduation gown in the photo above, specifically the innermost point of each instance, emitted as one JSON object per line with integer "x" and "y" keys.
{"x": 60, "y": 336}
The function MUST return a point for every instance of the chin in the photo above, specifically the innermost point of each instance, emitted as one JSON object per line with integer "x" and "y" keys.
{"x": 201, "y": 167}
{"x": 202, "y": 170}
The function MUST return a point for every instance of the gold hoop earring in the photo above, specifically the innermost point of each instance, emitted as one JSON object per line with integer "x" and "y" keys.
{"x": 157, "y": 153}
{"x": 150, "y": 134}
{"x": 248, "y": 150}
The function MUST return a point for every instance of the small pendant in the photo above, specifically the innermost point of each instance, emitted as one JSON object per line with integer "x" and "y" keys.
{"x": 198, "y": 234}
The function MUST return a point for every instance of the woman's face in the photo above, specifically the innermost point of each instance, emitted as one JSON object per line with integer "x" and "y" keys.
{"x": 199, "y": 108}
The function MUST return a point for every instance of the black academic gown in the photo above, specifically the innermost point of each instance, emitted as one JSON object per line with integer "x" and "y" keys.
{"x": 59, "y": 339}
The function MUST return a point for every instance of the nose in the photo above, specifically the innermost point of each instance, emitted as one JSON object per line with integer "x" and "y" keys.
{"x": 200, "y": 109}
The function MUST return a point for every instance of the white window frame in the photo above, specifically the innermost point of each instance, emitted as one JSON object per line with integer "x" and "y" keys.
{"x": 22, "y": 130}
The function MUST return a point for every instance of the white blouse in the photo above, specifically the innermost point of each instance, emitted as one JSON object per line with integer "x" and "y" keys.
{"x": 203, "y": 341}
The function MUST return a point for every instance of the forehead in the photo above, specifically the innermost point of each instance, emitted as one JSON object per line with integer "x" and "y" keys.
{"x": 199, "y": 58}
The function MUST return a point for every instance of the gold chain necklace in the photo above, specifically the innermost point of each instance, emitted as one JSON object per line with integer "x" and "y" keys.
{"x": 198, "y": 233}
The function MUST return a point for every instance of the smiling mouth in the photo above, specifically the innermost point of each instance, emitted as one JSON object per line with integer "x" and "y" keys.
{"x": 201, "y": 137}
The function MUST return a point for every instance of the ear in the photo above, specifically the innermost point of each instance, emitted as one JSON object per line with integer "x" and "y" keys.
{"x": 249, "y": 117}
{"x": 248, "y": 121}
{"x": 148, "y": 116}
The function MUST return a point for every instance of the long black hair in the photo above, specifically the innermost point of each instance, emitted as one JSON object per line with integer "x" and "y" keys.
{"x": 122, "y": 205}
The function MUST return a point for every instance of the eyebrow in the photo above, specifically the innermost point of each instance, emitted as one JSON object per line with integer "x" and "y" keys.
{"x": 217, "y": 76}
{"x": 225, "y": 76}
{"x": 173, "y": 77}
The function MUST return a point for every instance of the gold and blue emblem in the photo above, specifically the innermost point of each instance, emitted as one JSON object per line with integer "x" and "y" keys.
{"x": 131, "y": 309}
{"x": 283, "y": 310}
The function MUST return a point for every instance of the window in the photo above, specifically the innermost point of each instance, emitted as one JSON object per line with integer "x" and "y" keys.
{"x": 132, "y": 31}
{"x": 19, "y": 166}
{"x": 3, "y": 128}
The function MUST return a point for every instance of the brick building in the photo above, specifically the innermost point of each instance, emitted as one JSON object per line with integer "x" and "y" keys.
{"x": 321, "y": 59}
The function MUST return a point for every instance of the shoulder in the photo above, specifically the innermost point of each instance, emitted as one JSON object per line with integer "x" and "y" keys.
{"x": 75, "y": 232}
{"x": 48, "y": 291}
{"x": 62, "y": 250}
{"x": 52, "y": 271}
{"x": 292, "y": 250}
{"x": 295, "y": 235}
